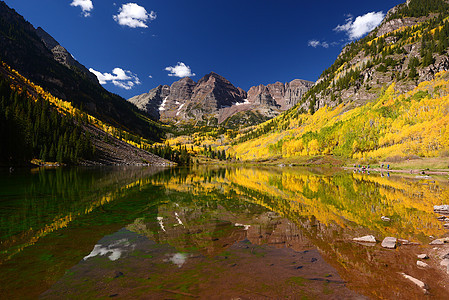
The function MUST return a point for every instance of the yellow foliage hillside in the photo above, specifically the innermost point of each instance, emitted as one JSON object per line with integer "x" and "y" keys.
{"x": 415, "y": 123}
{"x": 66, "y": 107}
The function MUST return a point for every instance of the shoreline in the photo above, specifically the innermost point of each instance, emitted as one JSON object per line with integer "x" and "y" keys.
{"x": 411, "y": 171}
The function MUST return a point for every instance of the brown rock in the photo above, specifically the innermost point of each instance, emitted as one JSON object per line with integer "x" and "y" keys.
{"x": 215, "y": 97}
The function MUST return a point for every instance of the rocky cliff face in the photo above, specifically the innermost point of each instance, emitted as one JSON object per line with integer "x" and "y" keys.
{"x": 281, "y": 95}
{"x": 215, "y": 99}
{"x": 61, "y": 55}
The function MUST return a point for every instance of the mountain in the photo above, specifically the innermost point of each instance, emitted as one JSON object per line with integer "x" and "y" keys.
{"x": 53, "y": 109}
{"x": 384, "y": 98}
{"x": 61, "y": 55}
{"x": 408, "y": 47}
{"x": 41, "y": 59}
{"x": 36, "y": 126}
{"x": 213, "y": 99}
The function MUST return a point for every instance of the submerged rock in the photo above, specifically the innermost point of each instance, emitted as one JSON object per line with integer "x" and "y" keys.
{"x": 418, "y": 282}
{"x": 445, "y": 262}
{"x": 421, "y": 264}
{"x": 407, "y": 242}
{"x": 389, "y": 242}
{"x": 365, "y": 239}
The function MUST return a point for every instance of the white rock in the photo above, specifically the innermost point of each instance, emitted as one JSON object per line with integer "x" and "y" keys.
{"x": 418, "y": 282}
{"x": 437, "y": 242}
{"x": 442, "y": 209}
{"x": 365, "y": 239}
{"x": 444, "y": 262}
{"x": 421, "y": 264}
{"x": 385, "y": 219}
{"x": 423, "y": 256}
{"x": 389, "y": 242}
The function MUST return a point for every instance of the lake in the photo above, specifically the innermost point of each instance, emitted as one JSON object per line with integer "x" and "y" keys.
{"x": 215, "y": 233}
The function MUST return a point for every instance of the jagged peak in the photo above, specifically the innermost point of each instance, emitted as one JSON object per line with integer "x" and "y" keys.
{"x": 214, "y": 76}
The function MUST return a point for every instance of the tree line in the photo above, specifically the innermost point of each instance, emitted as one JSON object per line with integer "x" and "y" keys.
{"x": 220, "y": 155}
{"x": 31, "y": 128}
{"x": 179, "y": 155}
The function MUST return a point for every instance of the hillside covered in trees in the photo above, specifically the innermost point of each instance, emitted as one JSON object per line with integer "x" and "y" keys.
{"x": 31, "y": 128}
{"x": 37, "y": 125}
{"x": 23, "y": 50}
{"x": 407, "y": 125}
{"x": 384, "y": 97}
{"x": 410, "y": 46}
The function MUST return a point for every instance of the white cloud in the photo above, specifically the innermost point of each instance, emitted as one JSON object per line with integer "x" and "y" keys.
{"x": 134, "y": 16}
{"x": 121, "y": 78}
{"x": 316, "y": 43}
{"x": 361, "y": 25}
{"x": 86, "y": 6}
{"x": 180, "y": 70}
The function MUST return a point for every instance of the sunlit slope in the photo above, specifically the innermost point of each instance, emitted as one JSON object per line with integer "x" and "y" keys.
{"x": 22, "y": 84}
{"x": 415, "y": 123}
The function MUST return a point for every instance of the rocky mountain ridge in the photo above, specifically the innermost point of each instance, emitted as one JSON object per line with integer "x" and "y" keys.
{"x": 213, "y": 99}
{"x": 61, "y": 55}
{"x": 41, "y": 59}
{"x": 408, "y": 47}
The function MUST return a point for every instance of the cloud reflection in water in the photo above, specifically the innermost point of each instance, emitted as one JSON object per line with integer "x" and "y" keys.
{"x": 115, "y": 249}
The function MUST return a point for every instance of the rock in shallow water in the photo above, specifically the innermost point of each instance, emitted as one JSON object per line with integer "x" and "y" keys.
{"x": 365, "y": 239}
{"x": 421, "y": 264}
{"x": 423, "y": 256}
{"x": 437, "y": 242}
{"x": 389, "y": 242}
{"x": 441, "y": 209}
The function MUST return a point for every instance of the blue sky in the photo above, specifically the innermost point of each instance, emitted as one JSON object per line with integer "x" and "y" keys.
{"x": 136, "y": 45}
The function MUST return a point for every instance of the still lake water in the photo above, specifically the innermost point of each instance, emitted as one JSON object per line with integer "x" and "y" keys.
{"x": 249, "y": 233}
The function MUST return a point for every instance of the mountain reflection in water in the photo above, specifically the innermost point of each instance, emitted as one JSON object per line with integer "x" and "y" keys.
{"x": 235, "y": 232}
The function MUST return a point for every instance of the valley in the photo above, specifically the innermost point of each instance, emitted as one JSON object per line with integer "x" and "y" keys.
{"x": 198, "y": 188}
